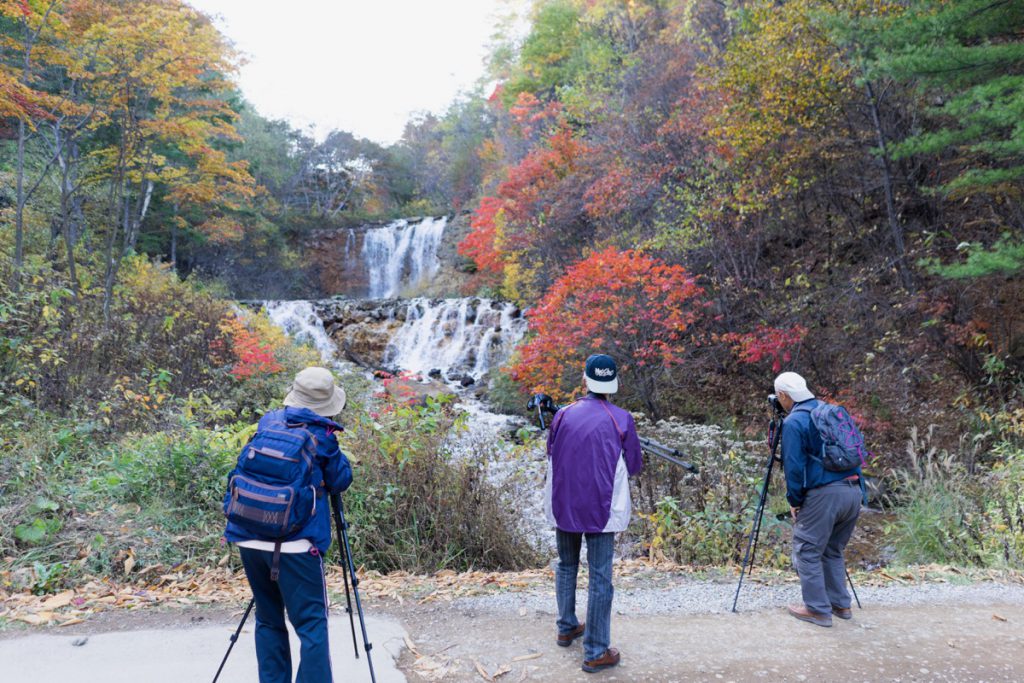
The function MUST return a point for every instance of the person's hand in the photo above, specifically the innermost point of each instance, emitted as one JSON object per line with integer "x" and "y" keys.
{"x": 794, "y": 512}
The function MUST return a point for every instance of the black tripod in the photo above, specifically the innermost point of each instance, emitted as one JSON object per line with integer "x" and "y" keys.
{"x": 774, "y": 437}
{"x": 341, "y": 528}
{"x": 345, "y": 550}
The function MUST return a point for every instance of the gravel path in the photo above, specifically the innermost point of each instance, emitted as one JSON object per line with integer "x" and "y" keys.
{"x": 684, "y": 631}
{"x": 689, "y": 595}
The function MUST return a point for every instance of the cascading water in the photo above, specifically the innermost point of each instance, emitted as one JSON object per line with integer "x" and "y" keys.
{"x": 300, "y": 321}
{"x": 456, "y": 336}
{"x": 402, "y": 255}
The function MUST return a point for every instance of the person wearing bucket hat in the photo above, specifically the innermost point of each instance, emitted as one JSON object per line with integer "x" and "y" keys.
{"x": 287, "y": 575}
{"x": 593, "y": 448}
{"x": 824, "y": 504}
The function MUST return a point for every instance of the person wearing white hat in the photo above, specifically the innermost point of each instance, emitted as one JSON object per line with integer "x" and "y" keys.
{"x": 824, "y": 504}
{"x": 287, "y": 574}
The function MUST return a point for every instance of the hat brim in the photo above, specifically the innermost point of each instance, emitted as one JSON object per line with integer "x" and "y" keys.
{"x": 799, "y": 395}
{"x": 609, "y": 387}
{"x": 328, "y": 408}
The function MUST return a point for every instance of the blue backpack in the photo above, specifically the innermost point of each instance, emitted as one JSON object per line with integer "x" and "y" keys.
{"x": 842, "y": 446}
{"x": 272, "y": 491}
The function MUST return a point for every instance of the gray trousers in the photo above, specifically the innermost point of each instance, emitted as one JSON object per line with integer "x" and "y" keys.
{"x": 823, "y": 528}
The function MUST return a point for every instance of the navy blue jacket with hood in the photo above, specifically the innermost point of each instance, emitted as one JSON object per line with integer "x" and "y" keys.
{"x": 334, "y": 466}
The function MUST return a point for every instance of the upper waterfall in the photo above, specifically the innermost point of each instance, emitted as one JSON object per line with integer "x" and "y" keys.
{"x": 402, "y": 255}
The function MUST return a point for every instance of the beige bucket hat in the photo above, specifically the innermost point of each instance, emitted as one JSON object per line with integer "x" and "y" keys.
{"x": 314, "y": 388}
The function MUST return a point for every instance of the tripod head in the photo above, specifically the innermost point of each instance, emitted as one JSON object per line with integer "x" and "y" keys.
{"x": 542, "y": 403}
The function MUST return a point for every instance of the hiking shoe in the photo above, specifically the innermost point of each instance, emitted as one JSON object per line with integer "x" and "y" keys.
{"x": 565, "y": 639}
{"x": 606, "y": 661}
{"x": 842, "y": 612}
{"x": 803, "y": 614}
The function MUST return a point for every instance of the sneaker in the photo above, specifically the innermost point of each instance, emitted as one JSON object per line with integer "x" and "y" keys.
{"x": 842, "y": 612}
{"x": 803, "y": 614}
{"x": 565, "y": 639}
{"x": 609, "y": 659}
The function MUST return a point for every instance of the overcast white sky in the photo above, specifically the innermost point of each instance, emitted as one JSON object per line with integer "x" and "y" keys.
{"x": 358, "y": 65}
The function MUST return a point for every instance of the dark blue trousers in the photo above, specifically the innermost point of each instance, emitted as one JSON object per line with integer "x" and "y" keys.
{"x": 301, "y": 590}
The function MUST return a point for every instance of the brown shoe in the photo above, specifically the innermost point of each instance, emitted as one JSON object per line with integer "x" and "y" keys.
{"x": 606, "y": 661}
{"x": 803, "y": 614}
{"x": 565, "y": 639}
{"x": 842, "y": 612}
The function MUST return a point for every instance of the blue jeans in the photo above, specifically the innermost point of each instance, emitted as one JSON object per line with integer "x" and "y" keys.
{"x": 301, "y": 590}
{"x": 598, "y": 634}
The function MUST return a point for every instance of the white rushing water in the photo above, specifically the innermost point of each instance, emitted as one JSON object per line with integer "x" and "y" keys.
{"x": 300, "y": 321}
{"x": 462, "y": 336}
{"x": 402, "y": 255}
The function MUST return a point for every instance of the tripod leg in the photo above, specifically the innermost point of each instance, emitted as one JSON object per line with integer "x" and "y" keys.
{"x": 774, "y": 431}
{"x": 343, "y": 556}
{"x": 367, "y": 645}
{"x": 754, "y": 531}
{"x": 234, "y": 637}
{"x": 854, "y": 590}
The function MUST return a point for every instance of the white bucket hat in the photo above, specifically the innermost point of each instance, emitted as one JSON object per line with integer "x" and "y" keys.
{"x": 794, "y": 385}
{"x": 314, "y": 388}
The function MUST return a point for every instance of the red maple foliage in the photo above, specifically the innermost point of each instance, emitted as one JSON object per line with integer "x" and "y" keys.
{"x": 252, "y": 355}
{"x": 631, "y": 306}
{"x": 774, "y": 343}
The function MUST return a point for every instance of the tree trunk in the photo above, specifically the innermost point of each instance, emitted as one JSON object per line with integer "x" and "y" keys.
{"x": 19, "y": 211}
{"x": 895, "y": 228}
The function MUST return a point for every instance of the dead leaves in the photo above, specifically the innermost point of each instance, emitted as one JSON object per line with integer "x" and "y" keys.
{"x": 437, "y": 666}
{"x": 69, "y": 607}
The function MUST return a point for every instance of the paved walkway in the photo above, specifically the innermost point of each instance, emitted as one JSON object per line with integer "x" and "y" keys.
{"x": 183, "y": 655}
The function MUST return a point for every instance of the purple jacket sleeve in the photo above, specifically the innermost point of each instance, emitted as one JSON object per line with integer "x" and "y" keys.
{"x": 631, "y": 448}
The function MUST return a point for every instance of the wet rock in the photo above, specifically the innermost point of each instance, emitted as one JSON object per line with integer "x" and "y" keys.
{"x": 467, "y": 380}
{"x": 435, "y": 373}
{"x": 406, "y": 390}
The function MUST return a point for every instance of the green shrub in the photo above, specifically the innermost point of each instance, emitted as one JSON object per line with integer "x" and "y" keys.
{"x": 705, "y": 519}
{"x": 946, "y": 514}
{"x": 415, "y": 505}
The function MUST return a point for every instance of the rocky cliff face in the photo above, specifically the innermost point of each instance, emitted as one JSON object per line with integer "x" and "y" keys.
{"x": 362, "y": 328}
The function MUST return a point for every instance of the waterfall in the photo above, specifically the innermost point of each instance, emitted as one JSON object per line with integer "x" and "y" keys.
{"x": 402, "y": 255}
{"x": 300, "y": 321}
{"x": 456, "y": 336}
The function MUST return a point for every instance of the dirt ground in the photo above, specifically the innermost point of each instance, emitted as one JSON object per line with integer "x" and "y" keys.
{"x": 909, "y": 643}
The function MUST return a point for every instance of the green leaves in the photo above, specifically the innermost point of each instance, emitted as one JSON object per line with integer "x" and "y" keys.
{"x": 42, "y": 525}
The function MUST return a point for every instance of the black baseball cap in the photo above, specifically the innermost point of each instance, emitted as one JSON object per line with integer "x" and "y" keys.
{"x": 601, "y": 375}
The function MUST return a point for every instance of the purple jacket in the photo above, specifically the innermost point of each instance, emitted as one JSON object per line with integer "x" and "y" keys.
{"x": 593, "y": 449}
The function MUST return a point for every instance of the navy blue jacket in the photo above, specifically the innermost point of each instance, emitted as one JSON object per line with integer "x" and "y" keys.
{"x": 336, "y": 470}
{"x": 801, "y": 454}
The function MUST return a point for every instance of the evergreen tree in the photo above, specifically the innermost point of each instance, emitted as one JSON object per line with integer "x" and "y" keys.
{"x": 968, "y": 59}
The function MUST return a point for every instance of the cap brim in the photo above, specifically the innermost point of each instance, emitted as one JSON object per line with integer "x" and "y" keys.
{"x": 610, "y": 387}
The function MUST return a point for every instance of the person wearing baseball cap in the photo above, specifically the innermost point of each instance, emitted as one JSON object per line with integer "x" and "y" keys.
{"x": 593, "y": 449}
{"x": 824, "y": 505}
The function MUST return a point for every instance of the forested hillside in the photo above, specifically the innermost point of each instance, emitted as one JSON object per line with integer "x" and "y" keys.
{"x": 709, "y": 191}
{"x": 715, "y": 191}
